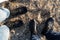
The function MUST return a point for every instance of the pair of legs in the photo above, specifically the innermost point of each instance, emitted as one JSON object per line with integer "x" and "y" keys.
{"x": 5, "y": 13}
{"x": 4, "y": 30}
{"x": 47, "y": 30}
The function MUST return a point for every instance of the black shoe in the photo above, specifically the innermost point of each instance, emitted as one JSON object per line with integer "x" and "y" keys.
{"x": 19, "y": 11}
{"x": 32, "y": 27}
{"x": 48, "y": 25}
{"x": 17, "y": 24}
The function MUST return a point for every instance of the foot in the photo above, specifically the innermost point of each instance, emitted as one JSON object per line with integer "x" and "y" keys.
{"x": 33, "y": 30}
{"x": 32, "y": 26}
{"x": 48, "y": 25}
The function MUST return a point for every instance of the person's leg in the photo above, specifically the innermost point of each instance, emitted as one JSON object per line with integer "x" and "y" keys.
{"x": 48, "y": 29}
{"x": 4, "y": 32}
{"x": 33, "y": 30}
{"x": 50, "y": 23}
{"x": 4, "y": 13}
{"x": 49, "y": 33}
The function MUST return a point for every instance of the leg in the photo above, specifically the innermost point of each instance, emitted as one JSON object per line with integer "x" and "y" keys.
{"x": 48, "y": 32}
{"x": 4, "y": 32}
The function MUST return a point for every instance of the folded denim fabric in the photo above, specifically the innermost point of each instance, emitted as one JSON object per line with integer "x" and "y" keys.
{"x": 4, "y": 13}
{"x": 4, "y": 32}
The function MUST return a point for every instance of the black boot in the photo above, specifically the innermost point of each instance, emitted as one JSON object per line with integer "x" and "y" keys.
{"x": 19, "y": 11}
{"x": 48, "y": 26}
{"x": 32, "y": 27}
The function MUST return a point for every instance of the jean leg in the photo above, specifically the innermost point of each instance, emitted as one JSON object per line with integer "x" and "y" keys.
{"x": 4, "y": 32}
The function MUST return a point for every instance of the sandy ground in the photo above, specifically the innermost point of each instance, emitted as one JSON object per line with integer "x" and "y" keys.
{"x": 40, "y": 10}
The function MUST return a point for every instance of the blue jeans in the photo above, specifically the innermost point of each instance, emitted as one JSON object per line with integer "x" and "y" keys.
{"x": 51, "y": 35}
{"x": 4, "y": 32}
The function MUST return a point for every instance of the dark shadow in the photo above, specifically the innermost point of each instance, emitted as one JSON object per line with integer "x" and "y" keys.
{"x": 12, "y": 0}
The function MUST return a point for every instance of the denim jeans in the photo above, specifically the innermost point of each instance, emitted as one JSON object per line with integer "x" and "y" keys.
{"x": 51, "y": 35}
{"x": 4, "y": 13}
{"x": 4, "y": 32}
